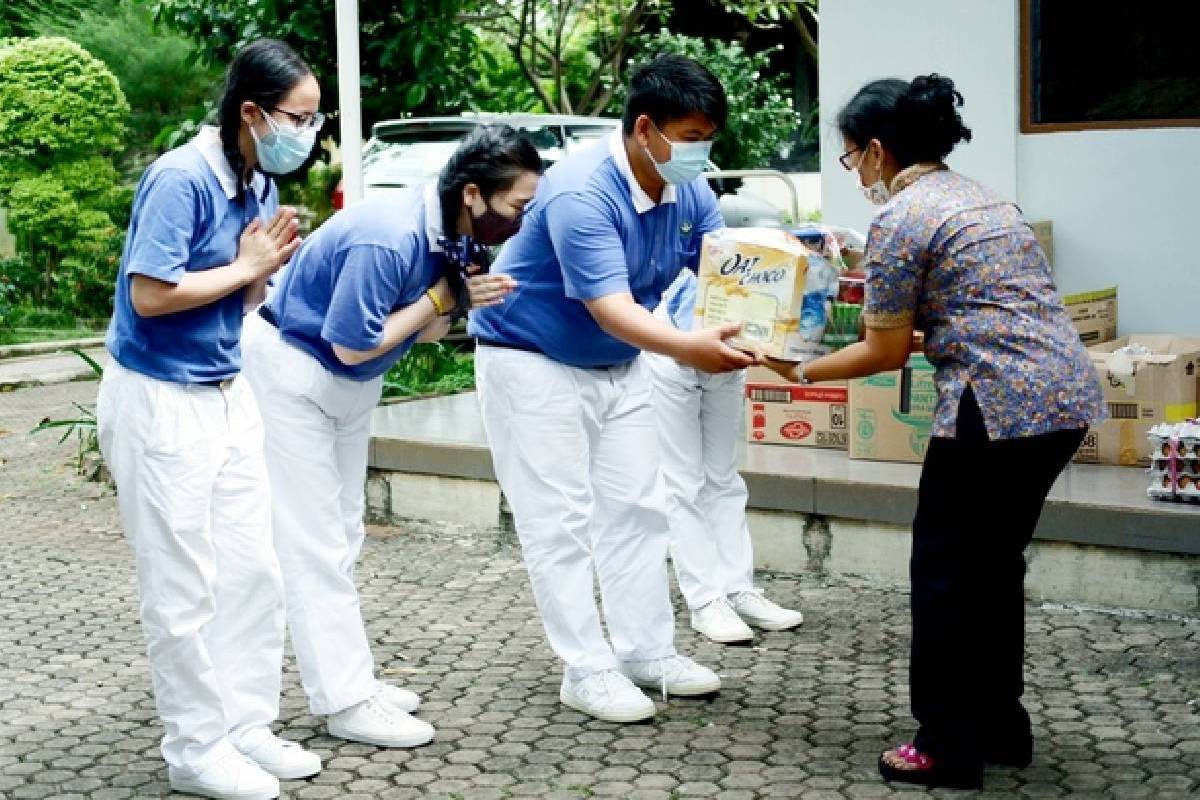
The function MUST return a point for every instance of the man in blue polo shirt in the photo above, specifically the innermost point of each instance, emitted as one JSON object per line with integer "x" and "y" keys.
{"x": 566, "y": 401}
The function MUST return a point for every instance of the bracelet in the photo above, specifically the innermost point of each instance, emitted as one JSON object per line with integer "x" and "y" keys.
{"x": 800, "y": 376}
{"x": 437, "y": 304}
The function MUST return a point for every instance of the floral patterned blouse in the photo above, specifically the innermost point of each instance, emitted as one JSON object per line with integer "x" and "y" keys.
{"x": 953, "y": 259}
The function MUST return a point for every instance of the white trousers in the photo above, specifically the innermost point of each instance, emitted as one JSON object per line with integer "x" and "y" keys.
{"x": 577, "y": 457}
{"x": 195, "y": 505}
{"x": 699, "y": 423}
{"x": 318, "y": 431}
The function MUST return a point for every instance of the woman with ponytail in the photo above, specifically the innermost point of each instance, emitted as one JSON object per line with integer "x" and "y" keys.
{"x": 1016, "y": 393}
{"x": 368, "y": 284}
{"x": 180, "y": 430}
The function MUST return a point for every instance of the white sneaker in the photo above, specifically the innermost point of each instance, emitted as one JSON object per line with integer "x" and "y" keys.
{"x": 677, "y": 675}
{"x": 718, "y": 621}
{"x": 760, "y": 612}
{"x": 397, "y": 698}
{"x": 285, "y": 760}
{"x": 606, "y": 695}
{"x": 232, "y": 778}
{"x": 374, "y": 722}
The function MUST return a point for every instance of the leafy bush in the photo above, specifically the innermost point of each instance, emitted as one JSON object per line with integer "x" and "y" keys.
{"x": 62, "y": 119}
{"x": 761, "y": 118}
{"x": 430, "y": 368}
{"x": 155, "y": 67}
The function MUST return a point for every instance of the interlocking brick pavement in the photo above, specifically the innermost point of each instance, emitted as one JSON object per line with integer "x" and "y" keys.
{"x": 1114, "y": 697}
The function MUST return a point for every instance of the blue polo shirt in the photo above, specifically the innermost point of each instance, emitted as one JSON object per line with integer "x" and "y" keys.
{"x": 186, "y": 218}
{"x": 591, "y": 231}
{"x": 364, "y": 263}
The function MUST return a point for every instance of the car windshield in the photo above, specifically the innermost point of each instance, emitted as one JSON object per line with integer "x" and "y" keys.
{"x": 408, "y": 155}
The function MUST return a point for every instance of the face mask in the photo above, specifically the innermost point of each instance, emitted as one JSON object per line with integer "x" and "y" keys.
{"x": 878, "y": 192}
{"x": 687, "y": 161}
{"x": 283, "y": 150}
{"x": 492, "y": 228}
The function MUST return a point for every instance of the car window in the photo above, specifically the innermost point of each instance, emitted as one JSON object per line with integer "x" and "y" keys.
{"x": 405, "y": 163}
{"x": 407, "y": 156}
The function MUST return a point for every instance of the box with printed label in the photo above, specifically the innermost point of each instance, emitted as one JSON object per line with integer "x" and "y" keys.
{"x": 1141, "y": 391}
{"x": 756, "y": 277}
{"x": 1094, "y": 315}
{"x": 891, "y": 414}
{"x": 812, "y": 415}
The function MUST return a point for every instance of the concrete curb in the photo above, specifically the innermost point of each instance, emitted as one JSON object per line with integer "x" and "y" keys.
{"x": 47, "y": 369}
{"x": 42, "y": 348}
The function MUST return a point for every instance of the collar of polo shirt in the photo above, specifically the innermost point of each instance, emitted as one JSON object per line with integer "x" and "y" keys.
{"x": 208, "y": 141}
{"x": 642, "y": 202}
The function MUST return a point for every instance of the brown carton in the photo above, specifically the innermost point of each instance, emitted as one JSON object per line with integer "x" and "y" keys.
{"x": 1043, "y": 231}
{"x": 891, "y": 414}
{"x": 1094, "y": 315}
{"x": 813, "y": 415}
{"x": 1161, "y": 387}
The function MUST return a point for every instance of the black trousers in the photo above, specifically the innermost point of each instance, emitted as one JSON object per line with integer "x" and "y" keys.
{"x": 978, "y": 504}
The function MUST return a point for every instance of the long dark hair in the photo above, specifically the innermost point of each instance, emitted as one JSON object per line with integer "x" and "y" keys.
{"x": 492, "y": 157}
{"x": 263, "y": 72}
{"x": 915, "y": 120}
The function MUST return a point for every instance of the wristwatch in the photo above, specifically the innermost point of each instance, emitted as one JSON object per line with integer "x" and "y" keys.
{"x": 801, "y": 378}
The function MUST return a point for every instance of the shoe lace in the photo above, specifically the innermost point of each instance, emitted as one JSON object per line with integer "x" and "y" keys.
{"x": 754, "y": 597}
{"x": 676, "y": 661}
{"x": 606, "y": 681}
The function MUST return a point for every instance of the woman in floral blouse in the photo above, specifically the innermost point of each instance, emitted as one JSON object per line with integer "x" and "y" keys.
{"x": 1016, "y": 393}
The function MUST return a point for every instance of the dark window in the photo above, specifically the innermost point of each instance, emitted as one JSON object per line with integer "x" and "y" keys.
{"x": 1108, "y": 64}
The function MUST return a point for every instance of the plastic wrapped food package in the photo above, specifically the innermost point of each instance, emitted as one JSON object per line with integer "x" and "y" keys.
{"x": 1175, "y": 461}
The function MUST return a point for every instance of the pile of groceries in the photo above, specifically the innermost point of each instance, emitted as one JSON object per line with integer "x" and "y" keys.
{"x": 794, "y": 291}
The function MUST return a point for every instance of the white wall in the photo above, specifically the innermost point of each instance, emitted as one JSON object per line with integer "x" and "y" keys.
{"x": 1124, "y": 204}
{"x": 971, "y": 41}
{"x": 1126, "y": 212}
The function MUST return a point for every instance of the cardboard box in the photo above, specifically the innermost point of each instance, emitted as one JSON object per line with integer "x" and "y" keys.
{"x": 1162, "y": 387}
{"x": 786, "y": 413}
{"x": 1043, "y": 231}
{"x": 1120, "y": 442}
{"x": 1094, "y": 315}
{"x": 756, "y": 277}
{"x": 891, "y": 414}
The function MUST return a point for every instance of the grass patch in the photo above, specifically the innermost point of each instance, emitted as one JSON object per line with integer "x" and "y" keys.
{"x": 428, "y": 369}
{"x": 32, "y": 335}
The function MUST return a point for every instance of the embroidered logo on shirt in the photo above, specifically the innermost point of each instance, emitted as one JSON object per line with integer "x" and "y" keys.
{"x": 685, "y": 227}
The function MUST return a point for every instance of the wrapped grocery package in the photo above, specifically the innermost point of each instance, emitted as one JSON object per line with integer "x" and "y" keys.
{"x": 759, "y": 278}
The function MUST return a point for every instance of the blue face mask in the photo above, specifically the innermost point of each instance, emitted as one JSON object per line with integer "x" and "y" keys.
{"x": 687, "y": 161}
{"x": 284, "y": 149}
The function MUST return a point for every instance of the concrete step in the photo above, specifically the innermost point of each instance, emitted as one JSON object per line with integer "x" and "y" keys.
{"x": 1100, "y": 539}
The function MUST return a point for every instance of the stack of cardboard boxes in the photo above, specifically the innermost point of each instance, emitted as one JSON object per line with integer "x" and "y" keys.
{"x": 888, "y": 417}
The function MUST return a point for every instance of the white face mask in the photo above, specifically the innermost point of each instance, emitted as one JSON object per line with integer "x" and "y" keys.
{"x": 878, "y": 192}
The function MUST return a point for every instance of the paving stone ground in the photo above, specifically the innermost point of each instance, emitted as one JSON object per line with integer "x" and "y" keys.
{"x": 1114, "y": 697}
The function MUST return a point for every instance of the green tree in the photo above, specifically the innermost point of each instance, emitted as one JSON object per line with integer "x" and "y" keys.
{"x": 156, "y": 68}
{"x": 761, "y": 117}
{"x": 571, "y": 53}
{"x": 416, "y": 56}
{"x": 18, "y": 18}
{"x": 62, "y": 119}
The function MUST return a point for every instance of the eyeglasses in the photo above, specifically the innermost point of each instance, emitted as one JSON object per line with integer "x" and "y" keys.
{"x": 842, "y": 158}
{"x": 303, "y": 121}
